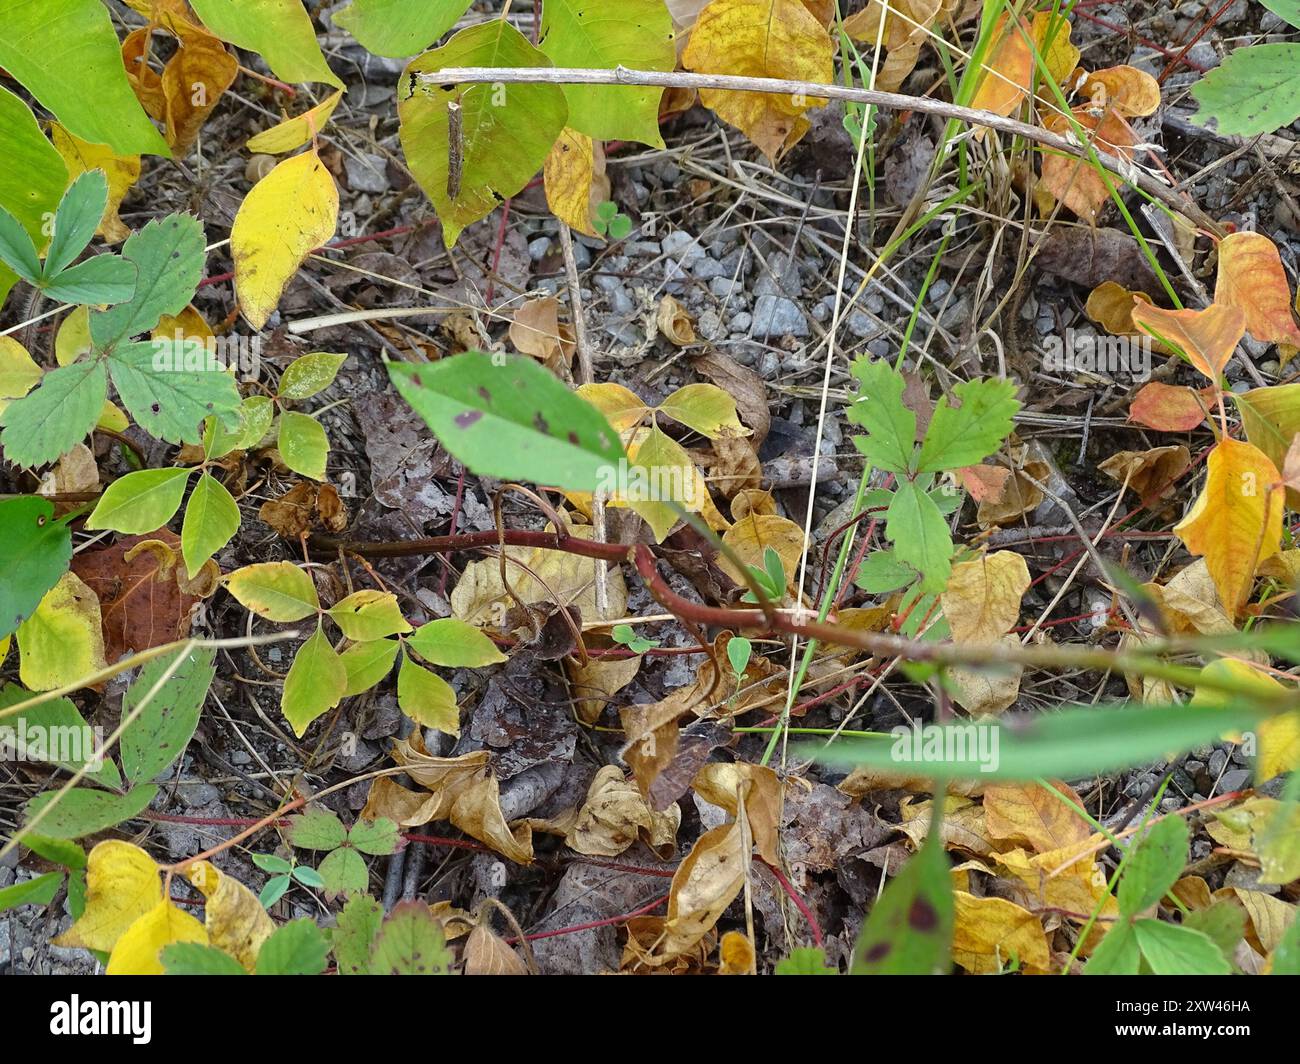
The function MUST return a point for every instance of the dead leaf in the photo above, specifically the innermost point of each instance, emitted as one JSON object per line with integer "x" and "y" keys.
{"x": 1031, "y": 814}
{"x": 723, "y": 784}
{"x": 1171, "y": 408}
{"x": 675, "y": 323}
{"x": 1152, "y": 474}
{"x": 1252, "y": 279}
{"x": 615, "y": 815}
{"x": 989, "y": 934}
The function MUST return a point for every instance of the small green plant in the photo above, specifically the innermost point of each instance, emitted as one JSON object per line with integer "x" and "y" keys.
{"x": 284, "y": 873}
{"x": 100, "y": 279}
{"x": 609, "y": 221}
{"x": 625, "y": 636}
{"x": 342, "y": 870}
{"x": 770, "y": 578}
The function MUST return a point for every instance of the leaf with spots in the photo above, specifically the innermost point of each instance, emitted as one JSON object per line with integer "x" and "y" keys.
{"x": 37, "y": 552}
{"x": 1254, "y": 90}
{"x": 169, "y": 401}
{"x": 506, "y": 416}
{"x": 909, "y": 929}
{"x": 159, "y": 735}
{"x": 410, "y": 943}
{"x": 303, "y": 444}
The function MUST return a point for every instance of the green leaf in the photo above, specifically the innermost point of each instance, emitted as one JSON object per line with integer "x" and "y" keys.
{"x": 76, "y": 220}
{"x": 410, "y": 943}
{"x": 56, "y": 733}
{"x": 168, "y": 255}
{"x": 1224, "y": 922}
{"x": 309, "y": 877}
{"x": 309, "y": 375}
{"x": 280, "y": 31}
{"x": 367, "y": 615}
{"x": 34, "y": 175}
{"x": 965, "y": 435}
{"x": 354, "y": 937}
{"x": 60, "y": 851}
{"x": 67, "y": 54}
{"x": 453, "y": 644}
{"x": 427, "y": 699}
{"x": 84, "y": 812}
{"x": 1287, "y": 10}
{"x": 17, "y": 249}
{"x": 1118, "y": 953}
{"x": 171, "y": 403}
{"x": 102, "y": 279}
{"x": 193, "y": 958}
{"x": 890, "y": 441}
{"x": 315, "y": 684}
{"x": 303, "y": 445}
{"x": 1254, "y": 90}
{"x": 1286, "y": 955}
{"x": 38, "y": 550}
{"x": 39, "y": 890}
{"x": 258, "y": 411}
{"x": 275, "y": 889}
{"x": 211, "y": 520}
{"x": 278, "y": 591}
{"x": 920, "y": 535}
{"x": 269, "y": 862}
{"x": 140, "y": 502}
{"x": 1155, "y": 866}
{"x": 398, "y": 28}
{"x": 637, "y": 34}
{"x": 909, "y": 928}
{"x": 379, "y": 837}
{"x": 805, "y": 960}
{"x": 297, "y": 948}
{"x": 1072, "y": 743}
{"x": 155, "y": 739}
{"x": 317, "y": 829}
{"x": 882, "y": 572}
{"x": 739, "y": 650}
{"x": 508, "y": 417}
{"x": 1173, "y": 950}
{"x": 367, "y": 664}
{"x": 56, "y": 416}
{"x": 344, "y": 872}
{"x": 507, "y": 133}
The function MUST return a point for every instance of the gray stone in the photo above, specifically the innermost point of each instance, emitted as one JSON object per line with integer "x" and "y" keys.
{"x": 538, "y": 247}
{"x": 777, "y": 316}
{"x": 682, "y": 246}
{"x": 769, "y": 362}
{"x": 366, "y": 173}
{"x": 741, "y": 323}
{"x": 1235, "y": 780}
{"x": 724, "y": 287}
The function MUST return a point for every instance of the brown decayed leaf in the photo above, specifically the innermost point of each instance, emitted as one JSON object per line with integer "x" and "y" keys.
{"x": 596, "y": 683}
{"x": 616, "y": 814}
{"x": 984, "y": 482}
{"x": 487, "y": 953}
{"x": 751, "y": 537}
{"x": 766, "y": 39}
{"x": 745, "y": 386}
{"x": 1207, "y": 337}
{"x": 674, "y": 323}
{"x": 305, "y": 506}
{"x": 963, "y": 827}
{"x": 192, "y": 84}
{"x": 983, "y": 692}
{"x": 142, "y": 592}
{"x": 735, "y": 467}
{"x": 1251, "y": 278}
{"x": 145, "y": 81}
{"x": 1171, "y": 407}
{"x": 723, "y": 784}
{"x": 1130, "y": 91}
{"x": 706, "y": 882}
{"x": 1029, "y": 813}
{"x": 1236, "y": 521}
{"x": 536, "y": 331}
{"x": 1018, "y": 497}
{"x": 1073, "y": 180}
{"x": 652, "y": 733}
{"x": 904, "y": 32}
{"x": 1110, "y": 305}
{"x": 1150, "y": 474}
{"x": 982, "y": 599}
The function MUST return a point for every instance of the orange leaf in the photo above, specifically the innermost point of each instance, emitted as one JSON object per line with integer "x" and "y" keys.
{"x": 1236, "y": 522}
{"x": 1251, "y": 277}
{"x": 1126, "y": 89}
{"x": 1074, "y": 181}
{"x": 1110, "y": 305}
{"x": 1170, "y": 407}
{"x": 1207, "y": 337}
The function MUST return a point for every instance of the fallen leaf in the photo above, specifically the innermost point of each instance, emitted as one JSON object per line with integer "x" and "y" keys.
{"x": 675, "y": 324}
{"x": 233, "y": 917}
{"x": 982, "y": 599}
{"x": 705, "y": 883}
{"x": 62, "y": 642}
{"x": 991, "y": 934}
{"x": 136, "y": 952}
{"x": 1251, "y": 278}
{"x": 726, "y": 785}
{"x": 615, "y": 815}
{"x": 750, "y": 538}
{"x": 1128, "y": 90}
{"x": 575, "y": 180}
{"x": 1110, "y": 305}
{"x": 1031, "y": 814}
{"x": 122, "y": 172}
{"x": 1150, "y": 474}
{"x": 1170, "y": 407}
{"x": 1207, "y": 337}
{"x": 536, "y": 330}
{"x": 122, "y": 884}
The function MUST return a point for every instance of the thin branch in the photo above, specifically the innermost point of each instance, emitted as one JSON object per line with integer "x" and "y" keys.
{"x": 892, "y": 101}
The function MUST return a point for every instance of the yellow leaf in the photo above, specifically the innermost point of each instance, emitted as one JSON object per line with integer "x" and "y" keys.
{"x": 1251, "y": 277}
{"x": 705, "y": 883}
{"x": 904, "y": 32}
{"x": 1236, "y": 521}
{"x": 661, "y": 470}
{"x": 63, "y": 640}
{"x": 427, "y": 698}
{"x": 982, "y": 600}
{"x": 19, "y": 373}
{"x": 291, "y": 211}
{"x": 136, "y": 952}
{"x": 122, "y": 885}
{"x": 575, "y": 181}
{"x": 736, "y": 954}
{"x": 596, "y": 683}
{"x": 615, "y": 815}
{"x": 751, "y": 537}
{"x": 1032, "y": 814}
{"x": 707, "y": 409}
{"x": 73, "y": 338}
{"x": 982, "y": 692}
{"x": 1010, "y": 62}
{"x": 676, "y": 326}
{"x": 295, "y": 132}
{"x": 234, "y": 918}
{"x": 724, "y": 783}
{"x": 988, "y": 932}
{"x": 1110, "y": 305}
{"x": 1277, "y": 737}
{"x": 621, "y": 407}
{"x": 122, "y": 172}
{"x": 766, "y": 39}
{"x": 487, "y": 953}
{"x": 1130, "y": 91}
{"x": 1207, "y": 337}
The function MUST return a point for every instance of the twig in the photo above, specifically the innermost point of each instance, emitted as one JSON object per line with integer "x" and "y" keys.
{"x": 893, "y": 101}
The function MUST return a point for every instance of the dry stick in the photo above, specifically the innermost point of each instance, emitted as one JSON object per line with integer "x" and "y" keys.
{"x": 586, "y": 375}
{"x": 893, "y": 101}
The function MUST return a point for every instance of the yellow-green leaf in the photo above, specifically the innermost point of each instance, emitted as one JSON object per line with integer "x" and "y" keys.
{"x": 211, "y": 519}
{"x": 427, "y": 699}
{"x": 297, "y": 131}
{"x": 310, "y": 374}
{"x": 315, "y": 684}
{"x": 63, "y": 640}
{"x": 367, "y": 664}
{"x": 706, "y": 408}
{"x": 453, "y": 643}
{"x": 303, "y": 444}
{"x": 278, "y": 591}
{"x": 367, "y": 615}
{"x": 140, "y": 502}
